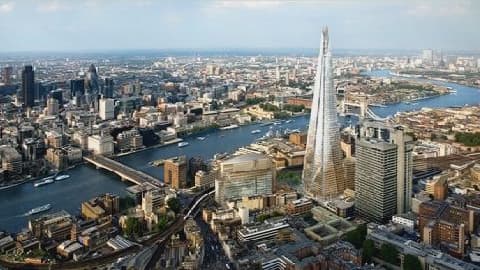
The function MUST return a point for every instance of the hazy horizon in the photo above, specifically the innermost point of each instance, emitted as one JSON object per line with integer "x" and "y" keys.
{"x": 96, "y": 25}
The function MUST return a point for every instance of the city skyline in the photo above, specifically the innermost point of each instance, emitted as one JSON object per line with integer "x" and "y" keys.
{"x": 94, "y": 25}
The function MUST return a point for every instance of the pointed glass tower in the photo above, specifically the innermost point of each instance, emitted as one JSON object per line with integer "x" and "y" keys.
{"x": 323, "y": 175}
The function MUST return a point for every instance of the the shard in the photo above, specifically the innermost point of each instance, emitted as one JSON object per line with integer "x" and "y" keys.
{"x": 323, "y": 175}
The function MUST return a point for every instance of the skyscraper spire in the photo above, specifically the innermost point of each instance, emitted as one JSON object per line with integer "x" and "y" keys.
{"x": 323, "y": 175}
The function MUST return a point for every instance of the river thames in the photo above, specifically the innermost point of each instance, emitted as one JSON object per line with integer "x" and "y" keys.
{"x": 87, "y": 182}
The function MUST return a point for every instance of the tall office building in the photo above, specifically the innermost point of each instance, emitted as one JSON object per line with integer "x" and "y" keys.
{"x": 77, "y": 87}
{"x": 383, "y": 172}
{"x": 106, "y": 110}
{"x": 244, "y": 175}
{"x": 108, "y": 88}
{"x": 28, "y": 86}
{"x": 52, "y": 106}
{"x": 323, "y": 175}
{"x": 7, "y": 75}
{"x": 175, "y": 172}
{"x": 427, "y": 56}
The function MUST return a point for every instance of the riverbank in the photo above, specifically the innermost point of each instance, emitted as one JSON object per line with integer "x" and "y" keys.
{"x": 167, "y": 143}
{"x": 425, "y": 76}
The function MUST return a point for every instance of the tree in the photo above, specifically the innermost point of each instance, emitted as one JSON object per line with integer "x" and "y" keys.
{"x": 162, "y": 223}
{"x": 357, "y": 236}
{"x": 133, "y": 227}
{"x": 368, "y": 251}
{"x": 126, "y": 203}
{"x": 411, "y": 262}
{"x": 174, "y": 205}
{"x": 389, "y": 253}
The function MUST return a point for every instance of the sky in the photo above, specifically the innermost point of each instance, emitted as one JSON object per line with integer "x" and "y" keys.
{"x": 76, "y": 25}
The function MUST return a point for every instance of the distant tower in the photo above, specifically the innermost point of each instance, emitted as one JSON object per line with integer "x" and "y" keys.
{"x": 6, "y": 75}
{"x": 108, "y": 88}
{"x": 277, "y": 74}
{"x": 28, "y": 86}
{"x": 323, "y": 175}
{"x": 91, "y": 85}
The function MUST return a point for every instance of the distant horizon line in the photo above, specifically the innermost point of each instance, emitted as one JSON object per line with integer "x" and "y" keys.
{"x": 258, "y": 50}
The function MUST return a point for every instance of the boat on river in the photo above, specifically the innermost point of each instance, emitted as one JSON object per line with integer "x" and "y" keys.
{"x": 182, "y": 144}
{"x": 44, "y": 181}
{"x": 229, "y": 127}
{"x": 39, "y": 209}
{"x": 62, "y": 177}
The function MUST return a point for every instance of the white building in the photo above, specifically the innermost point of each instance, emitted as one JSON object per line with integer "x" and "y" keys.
{"x": 106, "y": 109}
{"x": 101, "y": 144}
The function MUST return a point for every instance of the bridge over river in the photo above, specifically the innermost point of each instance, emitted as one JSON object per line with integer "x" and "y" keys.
{"x": 125, "y": 172}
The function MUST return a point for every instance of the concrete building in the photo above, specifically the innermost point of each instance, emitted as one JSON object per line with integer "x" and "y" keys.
{"x": 300, "y": 206}
{"x": 383, "y": 172}
{"x": 11, "y": 160}
{"x": 437, "y": 186}
{"x": 204, "y": 179}
{"x": 429, "y": 258}
{"x": 267, "y": 230}
{"x": 129, "y": 140}
{"x": 175, "y": 172}
{"x": 244, "y": 175}
{"x": 101, "y": 144}
{"x": 52, "y": 107}
{"x": 323, "y": 175}
{"x": 106, "y": 110}
{"x": 445, "y": 226}
{"x": 101, "y": 206}
{"x": 152, "y": 200}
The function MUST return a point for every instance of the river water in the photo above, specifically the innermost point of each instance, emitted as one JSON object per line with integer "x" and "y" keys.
{"x": 86, "y": 182}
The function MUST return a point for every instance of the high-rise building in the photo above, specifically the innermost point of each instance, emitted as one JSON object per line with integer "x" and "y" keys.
{"x": 52, "y": 106}
{"x": 28, "y": 86}
{"x": 58, "y": 95}
{"x": 323, "y": 175}
{"x": 383, "y": 171}
{"x": 427, "y": 56}
{"x": 244, "y": 175}
{"x": 108, "y": 88}
{"x": 7, "y": 75}
{"x": 175, "y": 172}
{"x": 77, "y": 87}
{"x": 106, "y": 109}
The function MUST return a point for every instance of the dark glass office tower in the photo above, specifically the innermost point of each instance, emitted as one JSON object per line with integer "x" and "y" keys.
{"x": 28, "y": 86}
{"x": 77, "y": 87}
{"x": 108, "y": 88}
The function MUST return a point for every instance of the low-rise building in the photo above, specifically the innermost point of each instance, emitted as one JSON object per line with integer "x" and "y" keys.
{"x": 300, "y": 206}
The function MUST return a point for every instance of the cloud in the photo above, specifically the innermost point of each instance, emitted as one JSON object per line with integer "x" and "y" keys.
{"x": 6, "y": 7}
{"x": 249, "y": 4}
{"x": 440, "y": 8}
{"x": 52, "y": 6}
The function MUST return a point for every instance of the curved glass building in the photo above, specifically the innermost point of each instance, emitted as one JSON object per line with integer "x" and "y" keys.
{"x": 323, "y": 175}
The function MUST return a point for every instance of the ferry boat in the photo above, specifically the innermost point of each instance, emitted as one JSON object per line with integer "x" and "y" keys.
{"x": 266, "y": 124}
{"x": 62, "y": 177}
{"x": 44, "y": 181}
{"x": 182, "y": 144}
{"x": 200, "y": 138}
{"x": 157, "y": 163}
{"x": 229, "y": 127}
{"x": 39, "y": 209}
{"x": 255, "y": 131}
